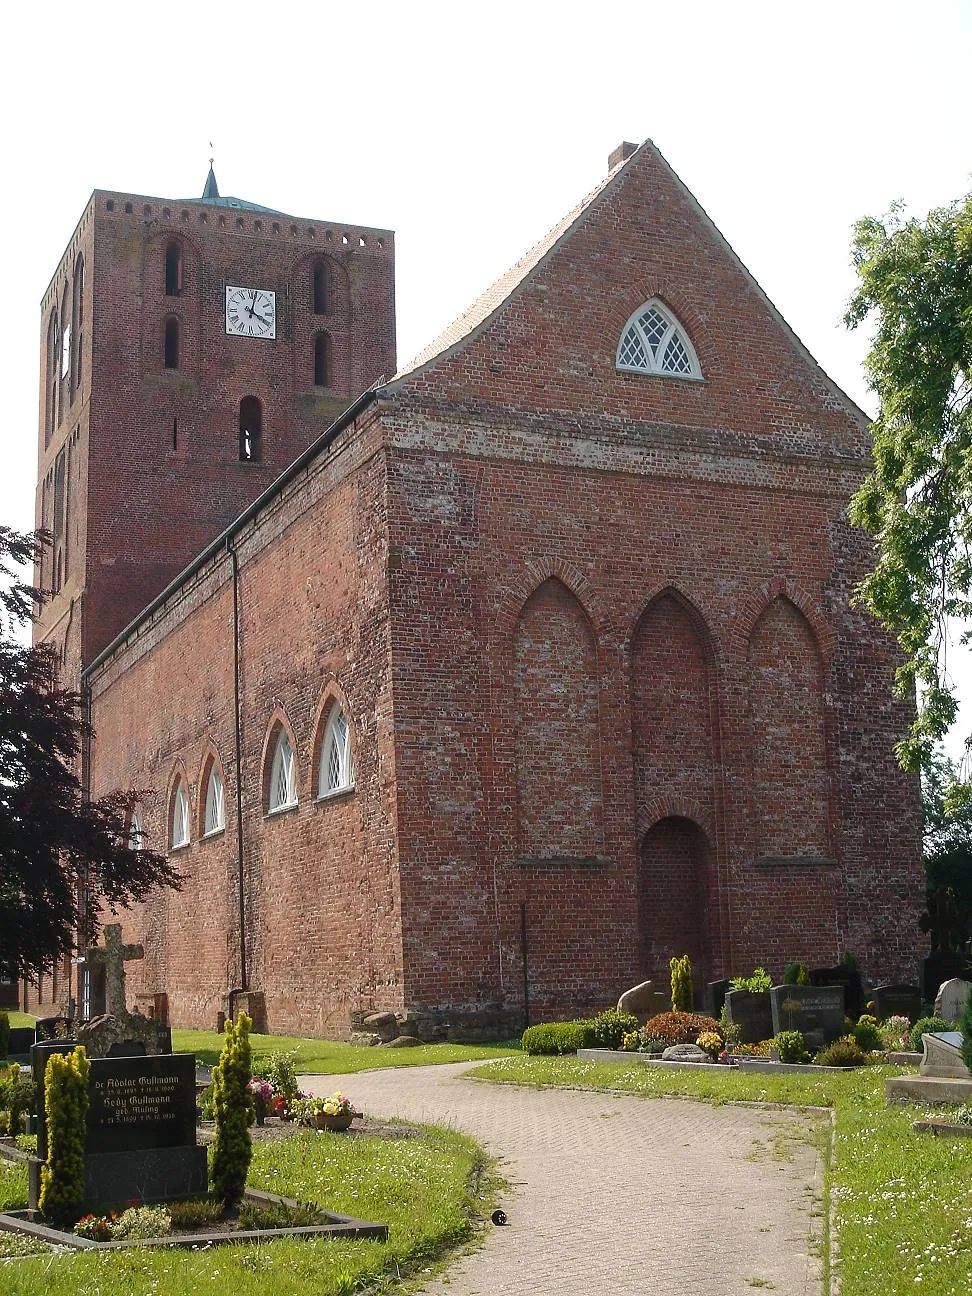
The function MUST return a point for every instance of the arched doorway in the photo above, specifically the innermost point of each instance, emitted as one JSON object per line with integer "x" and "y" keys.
{"x": 674, "y": 886}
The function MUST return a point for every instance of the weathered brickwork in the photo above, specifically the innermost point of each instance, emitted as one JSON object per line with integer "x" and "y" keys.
{"x": 592, "y": 629}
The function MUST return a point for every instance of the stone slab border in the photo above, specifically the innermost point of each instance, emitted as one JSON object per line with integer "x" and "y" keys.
{"x": 764, "y": 1065}
{"x": 943, "y": 1128}
{"x": 340, "y": 1226}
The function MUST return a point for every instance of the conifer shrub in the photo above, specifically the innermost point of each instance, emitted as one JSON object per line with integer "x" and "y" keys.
{"x": 790, "y": 1045}
{"x": 66, "y": 1110}
{"x": 843, "y": 1052}
{"x": 611, "y": 1026}
{"x": 679, "y": 1027}
{"x": 553, "y": 1038}
{"x": 16, "y": 1097}
{"x": 4, "y": 1034}
{"x": 233, "y": 1113}
{"x": 867, "y": 1033}
{"x": 681, "y": 984}
{"x": 796, "y": 974}
{"x": 966, "y": 1028}
{"x": 926, "y": 1026}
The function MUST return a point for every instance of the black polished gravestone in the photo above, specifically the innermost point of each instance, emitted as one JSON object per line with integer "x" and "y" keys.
{"x": 897, "y": 1001}
{"x": 846, "y": 975}
{"x": 817, "y": 1012}
{"x": 140, "y": 1141}
{"x": 749, "y": 1011}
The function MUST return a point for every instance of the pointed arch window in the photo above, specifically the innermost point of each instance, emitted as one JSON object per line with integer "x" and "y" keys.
{"x": 136, "y": 835}
{"x": 653, "y": 341}
{"x": 336, "y": 771}
{"x": 179, "y": 821}
{"x": 78, "y": 303}
{"x": 214, "y": 820}
{"x": 251, "y": 430}
{"x": 53, "y": 350}
{"x": 171, "y": 349}
{"x": 283, "y": 776}
{"x": 173, "y": 270}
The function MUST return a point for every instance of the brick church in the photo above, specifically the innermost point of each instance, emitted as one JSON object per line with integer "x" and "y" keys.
{"x": 479, "y": 690}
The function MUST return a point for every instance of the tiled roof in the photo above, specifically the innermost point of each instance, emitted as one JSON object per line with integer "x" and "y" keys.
{"x": 495, "y": 296}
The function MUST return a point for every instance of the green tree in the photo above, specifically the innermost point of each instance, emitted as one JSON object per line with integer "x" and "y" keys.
{"x": 947, "y": 853}
{"x": 915, "y": 284}
{"x": 233, "y": 1111}
{"x": 53, "y": 840}
{"x": 66, "y": 1109}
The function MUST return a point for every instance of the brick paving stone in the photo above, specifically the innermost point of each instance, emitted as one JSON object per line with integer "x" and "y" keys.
{"x": 622, "y": 1194}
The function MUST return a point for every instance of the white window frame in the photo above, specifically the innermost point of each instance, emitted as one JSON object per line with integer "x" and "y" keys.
{"x": 214, "y": 820}
{"x": 335, "y": 772}
{"x": 179, "y": 823}
{"x": 283, "y": 776}
{"x": 136, "y": 834}
{"x": 654, "y": 352}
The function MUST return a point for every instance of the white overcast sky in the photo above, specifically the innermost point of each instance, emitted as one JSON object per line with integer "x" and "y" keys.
{"x": 471, "y": 129}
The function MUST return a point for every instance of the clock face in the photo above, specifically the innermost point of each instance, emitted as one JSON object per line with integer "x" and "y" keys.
{"x": 251, "y": 312}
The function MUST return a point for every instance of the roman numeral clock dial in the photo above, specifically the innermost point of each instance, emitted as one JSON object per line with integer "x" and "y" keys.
{"x": 251, "y": 312}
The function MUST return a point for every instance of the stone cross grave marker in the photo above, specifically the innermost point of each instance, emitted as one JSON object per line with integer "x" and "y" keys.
{"x": 114, "y": 955}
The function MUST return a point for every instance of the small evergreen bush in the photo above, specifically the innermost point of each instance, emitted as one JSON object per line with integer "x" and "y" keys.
{"x": 611, "y": 1026}
{"x": 195, "y": 1212}
{"x": 142, "y": 1222}
{"x": 867, "y": 1033}
{"x": 844, "y": 1052}
{"x": 796, "y": 974}
{"x": 233, "y": 1111}
{"x": 790, "y": 1045}
{"x": 554, "y": 1038}
{"x": 66, "y": 1111}
{"x": 966, "y": 1028}
{"x": 681, "y": 984}
{"x": 280, "y": 1074}
{"x": 4, "y": 1034}
{"x": 679, "y": 1028}
{"x": 17, "y": 1095}
{"x": 926, "y": 1026}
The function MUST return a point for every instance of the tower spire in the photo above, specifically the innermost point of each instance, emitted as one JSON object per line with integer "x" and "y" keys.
{"x": 211, "y": 189}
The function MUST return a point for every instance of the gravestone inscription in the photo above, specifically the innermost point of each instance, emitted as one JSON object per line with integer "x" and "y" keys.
{"x": 816, "y": 1011}
{"x": 897, "y": 1001}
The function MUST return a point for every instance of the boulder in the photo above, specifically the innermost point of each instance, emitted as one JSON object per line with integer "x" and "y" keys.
{"x": 644, "y": 1001}
{"x": 403, "y": 1041}
{"x": 365, "y": 1039}
{"x": 685, "y": 1053}
{"x": 382, "y": 1024}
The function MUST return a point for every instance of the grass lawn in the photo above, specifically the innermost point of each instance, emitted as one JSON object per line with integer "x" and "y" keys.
{"x": 318, "y": 1057}
{"x": 902, "y": 1201}
{"x": 19, "y": 1018}
{"x": 432, "y": 1191}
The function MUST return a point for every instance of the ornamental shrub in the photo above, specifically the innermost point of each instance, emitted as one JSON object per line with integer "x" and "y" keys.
{"x": 926, "y": 1026}
{"x": 280, "y": 1074}
{"x": 679, "y": 1027}
{"x": 755, "y": 984}
{"x": 966, "y": 1028}
{"x": 844, "y": 1052}
{"x": 681, "y": 984}
{"x": 4, "y": 1034}
{"x": 142, "y": 1222}
{"x": 796, "y": 974}
{"x": 16, "y": 1096}
{"x": 868, "y": 1034}
{"x": 558, "y": 1037}
{"x": 611, "y": 1026}
{"x": 233, "y": 1112}
{"x": 790, "y": 1045}
{"x": 66, "y": 1111}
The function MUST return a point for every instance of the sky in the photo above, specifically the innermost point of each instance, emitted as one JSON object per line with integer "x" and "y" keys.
{"x": 471, "y": 129}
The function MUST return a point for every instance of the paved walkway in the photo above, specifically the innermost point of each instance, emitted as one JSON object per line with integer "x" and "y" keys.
{"x": 622, "y": 1195}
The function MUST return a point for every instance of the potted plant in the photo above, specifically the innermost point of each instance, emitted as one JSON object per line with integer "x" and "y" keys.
{"x": 262, "y": 1097}
{"x": 335, "y": 1112}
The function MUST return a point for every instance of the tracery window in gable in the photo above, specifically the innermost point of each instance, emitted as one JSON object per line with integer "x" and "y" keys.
{"x": 653, "y": 341}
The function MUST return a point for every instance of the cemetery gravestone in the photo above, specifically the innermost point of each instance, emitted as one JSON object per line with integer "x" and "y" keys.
{"x": 751, "y": 1013}
{"x": 716, "y": 992}
{"x": 897, "y": 1001}
{"x": 119, "y": 1032}
{"x": 816, "y": 1011}
{"x": 950, "y": 1000}
{"x": 644, "y": 1001}
{"x": 943, "y": 1056}
{"x": 846, "y": 975}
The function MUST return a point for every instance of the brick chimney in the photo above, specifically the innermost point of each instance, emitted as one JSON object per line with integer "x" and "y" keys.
{"x": 621, "y": 154}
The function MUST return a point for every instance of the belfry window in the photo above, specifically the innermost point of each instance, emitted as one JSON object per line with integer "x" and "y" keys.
{"x": 173, "y": 270}
{"x": 653, "y": 341}
{"x": 319, "y": 287}
{"x": 321, "y": 366}
{"x": 171, "y": 347}
{"x": 283, "y": 776}
{"x": 251, "y": 430}
{"x": 336, "y": 771}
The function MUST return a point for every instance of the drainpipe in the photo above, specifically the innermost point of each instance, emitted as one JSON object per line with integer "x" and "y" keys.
{"x": 240, "y": 891}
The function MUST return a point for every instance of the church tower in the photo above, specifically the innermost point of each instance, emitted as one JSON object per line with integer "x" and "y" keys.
{"x": 189, "y": 351}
